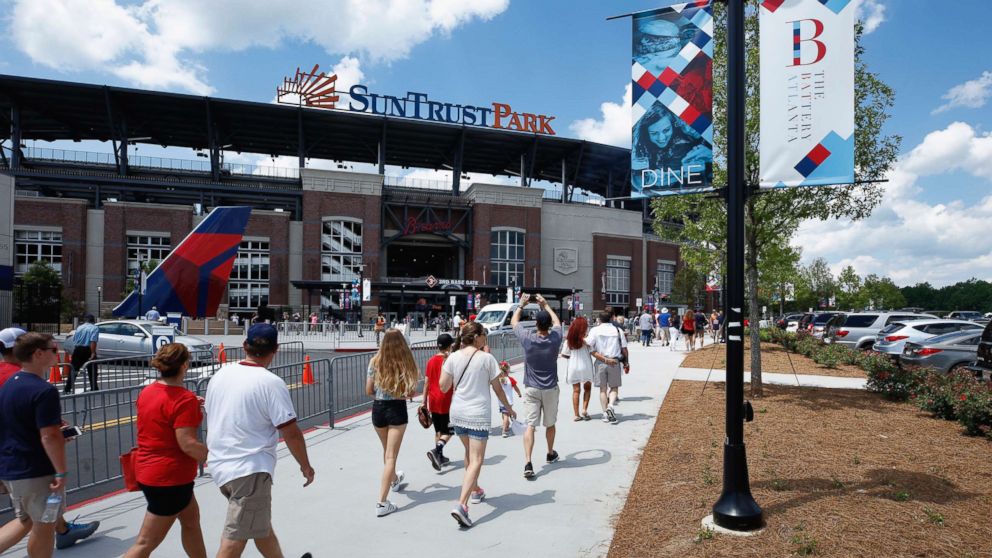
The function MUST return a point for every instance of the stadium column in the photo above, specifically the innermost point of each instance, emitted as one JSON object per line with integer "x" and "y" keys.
{"x": 456, "y": 170}
{"x": 564, "y": 182}
{"x": 212, "y": 144}
{"x": 301, "y": 151}
{"x": 15, "y": 136}
{"x": 382, "y": 149}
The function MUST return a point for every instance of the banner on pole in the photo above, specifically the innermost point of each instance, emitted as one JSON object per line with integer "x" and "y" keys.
{"x": 672, "y": 101}
{"x": 807, "y": 92}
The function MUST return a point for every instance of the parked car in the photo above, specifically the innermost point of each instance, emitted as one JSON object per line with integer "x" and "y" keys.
{"x": 969, "y": 315}
{"x": 983, "y": 357}
{"x": 496, "y": 317}
{"x": 818, "y": 325}
{"x": 133, "y": 338}
{"x": 950, "y": 352}
{"x": 789, "y": 319}
{"x": 835, "y": 323}
{"x": 859, "y": 330}
{"x": 893, "y": 338}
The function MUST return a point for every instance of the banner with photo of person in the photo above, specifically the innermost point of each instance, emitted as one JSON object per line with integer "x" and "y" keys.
{"x": 672, "y": 101}
{"x": 807, "y": 92}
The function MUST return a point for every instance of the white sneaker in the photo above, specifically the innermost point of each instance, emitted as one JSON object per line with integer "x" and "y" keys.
{"x": 606, "y": 418}
{"x": 384, "y": 508}
{"x": 395, "y": 486}
{"x": 611, "y": 415}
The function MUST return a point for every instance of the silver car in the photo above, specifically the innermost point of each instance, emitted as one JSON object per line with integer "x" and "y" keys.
{"x": 892, "y": 340}
{"x": 950, "y": 352}
{"x": 132, "y": 338}
{"x": 859, "y": 330}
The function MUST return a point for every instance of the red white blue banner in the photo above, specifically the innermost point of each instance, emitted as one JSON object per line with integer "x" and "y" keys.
{"x": 672, "y": 101}
{"x": 807, "y": 92}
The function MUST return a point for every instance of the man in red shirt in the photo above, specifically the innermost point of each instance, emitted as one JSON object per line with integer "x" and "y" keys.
{"x": 438, "y": 402}
{"x": 66, "y": 534}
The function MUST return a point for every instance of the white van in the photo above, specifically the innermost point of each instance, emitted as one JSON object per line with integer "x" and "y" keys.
{"x": 496, "y": 317}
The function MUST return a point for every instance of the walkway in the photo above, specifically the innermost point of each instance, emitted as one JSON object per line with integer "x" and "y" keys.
{"x": 567, "y": 511}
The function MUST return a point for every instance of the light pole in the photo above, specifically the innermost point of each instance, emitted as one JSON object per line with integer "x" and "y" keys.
{"x": 99, "y": 302}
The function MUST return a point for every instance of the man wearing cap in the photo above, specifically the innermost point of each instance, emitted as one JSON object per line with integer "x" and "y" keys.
{"x": 153, "y": 315}
{"x": 248, "y": 409}
{"x": 84, "y": 339}
{"x": 66, "y": 533}
{"x": 540, "y": 376}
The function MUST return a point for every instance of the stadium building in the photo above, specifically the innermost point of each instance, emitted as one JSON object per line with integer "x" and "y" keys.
{"x": 95, "y": 216}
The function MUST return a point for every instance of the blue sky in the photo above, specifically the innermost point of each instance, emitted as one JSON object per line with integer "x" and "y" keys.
{"x": 560, "y": 58}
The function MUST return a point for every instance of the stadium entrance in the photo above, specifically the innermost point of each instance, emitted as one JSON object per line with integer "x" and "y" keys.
{"x": 423, "y": 258}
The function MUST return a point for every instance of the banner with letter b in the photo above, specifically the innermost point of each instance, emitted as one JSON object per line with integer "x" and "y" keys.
{"x": 807, "y": 92}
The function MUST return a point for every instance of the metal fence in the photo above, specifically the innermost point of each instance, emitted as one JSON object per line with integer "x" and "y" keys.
{"x": 337, "y": 334}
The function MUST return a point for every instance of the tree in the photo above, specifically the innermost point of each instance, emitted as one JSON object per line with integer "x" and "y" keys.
{"x": 848, "y": 289}
{"x": 772, "y": 218}
{"x": 882, "y": 293}
{"x": 688, "y": 286}
{"x": 778, "y": 267}
{"x": 816, "y": 284}
{"x": 920, "y": 295}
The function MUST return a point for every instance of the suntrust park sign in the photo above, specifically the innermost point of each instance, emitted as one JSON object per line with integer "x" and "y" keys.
{"x": 421, "y": 107}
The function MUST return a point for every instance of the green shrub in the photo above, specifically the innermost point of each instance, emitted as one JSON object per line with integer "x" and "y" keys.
{"x": 888, "y": 379}
{"x": 806, "y": 344}
{"x": 936, "y": 392}
{"x": 973, "y": 408}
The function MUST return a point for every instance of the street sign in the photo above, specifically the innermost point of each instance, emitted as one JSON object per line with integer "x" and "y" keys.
{"x": 162, "y": 336}
{"x": 366, "y": 290}
{"x": 454, "y": 300}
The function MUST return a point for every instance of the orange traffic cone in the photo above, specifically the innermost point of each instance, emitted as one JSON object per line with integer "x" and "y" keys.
{"x": 55, "y": 374}
{"x": 221, "y": 355}
{"x": 307, "y": 372}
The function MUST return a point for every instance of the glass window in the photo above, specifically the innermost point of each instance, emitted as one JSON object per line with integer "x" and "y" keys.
{"x": 340, "y": 250}
{"x": 664, "y": 277}
{"x": 146, "y": 248}
{"x": 617, "y": 281}
{"x": 860, "y": 320}
{"x": 249, "y": 285}
{"x": 507, "y": 257}
{"x": 32, "y": 246}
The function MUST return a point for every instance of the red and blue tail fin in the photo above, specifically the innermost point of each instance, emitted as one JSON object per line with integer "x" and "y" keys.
{"x": 192, "y": 278}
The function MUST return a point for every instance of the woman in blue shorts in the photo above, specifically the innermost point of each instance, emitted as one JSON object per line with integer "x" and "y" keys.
{"x": 473, "y": 374}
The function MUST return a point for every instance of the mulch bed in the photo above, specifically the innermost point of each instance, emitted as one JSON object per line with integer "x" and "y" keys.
{"x": 844, "y": 471}
{"x": 774, "y": 358}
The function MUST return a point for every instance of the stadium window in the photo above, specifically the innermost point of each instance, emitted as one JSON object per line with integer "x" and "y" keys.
{"x": 31, "y": 245}
{"x": 507, "y": 257}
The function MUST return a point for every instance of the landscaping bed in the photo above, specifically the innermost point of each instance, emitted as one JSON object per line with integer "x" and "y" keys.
{"x": 774, "y": 358}
{"x": 837, "y": 472}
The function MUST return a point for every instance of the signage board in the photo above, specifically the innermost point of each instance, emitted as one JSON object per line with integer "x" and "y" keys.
{"x": 566, "y": 260}
{"x": 162, "y": 336}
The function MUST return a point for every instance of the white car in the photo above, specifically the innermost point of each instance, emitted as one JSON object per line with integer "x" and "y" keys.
{"x": 892, "y": 339}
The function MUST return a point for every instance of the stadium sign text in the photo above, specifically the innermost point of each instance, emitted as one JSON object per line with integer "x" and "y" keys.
{"x": 419, "y": 106}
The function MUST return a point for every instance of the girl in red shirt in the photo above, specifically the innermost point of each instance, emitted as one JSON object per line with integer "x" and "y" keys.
{"x": 168, "y": 452}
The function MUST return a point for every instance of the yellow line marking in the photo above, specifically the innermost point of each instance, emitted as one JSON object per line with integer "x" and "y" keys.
{"x": 110, "y": 423}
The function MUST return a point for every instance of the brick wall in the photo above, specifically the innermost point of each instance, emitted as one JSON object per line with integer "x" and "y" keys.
{"x": 70, "y": 215}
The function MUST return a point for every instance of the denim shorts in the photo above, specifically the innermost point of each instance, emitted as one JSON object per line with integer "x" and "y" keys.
{"x": 471, "y": 433}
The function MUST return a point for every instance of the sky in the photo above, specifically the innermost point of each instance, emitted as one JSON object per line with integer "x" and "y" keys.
{"x": 554, "y": 57}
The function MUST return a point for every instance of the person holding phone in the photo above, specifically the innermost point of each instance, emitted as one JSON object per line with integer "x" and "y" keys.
{"x": 169, "y": 451}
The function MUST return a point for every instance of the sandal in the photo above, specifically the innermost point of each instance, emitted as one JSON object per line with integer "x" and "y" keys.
{"x": 577, "y": 419}
{"x": 586, "y": 417}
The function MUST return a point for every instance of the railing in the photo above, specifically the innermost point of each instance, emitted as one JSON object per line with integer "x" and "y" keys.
{"x": 416, "y": 183}
{"x": 345, "y": 333}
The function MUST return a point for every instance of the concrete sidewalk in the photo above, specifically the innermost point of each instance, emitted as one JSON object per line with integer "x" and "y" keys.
{"x": 567, "y": 510}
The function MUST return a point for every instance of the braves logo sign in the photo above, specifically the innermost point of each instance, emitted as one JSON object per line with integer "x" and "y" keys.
{"x": 309, "y": 89}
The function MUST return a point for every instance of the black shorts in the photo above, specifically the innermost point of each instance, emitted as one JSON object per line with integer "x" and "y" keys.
{"x": 167, "y": 501}
{"x": 389, "y": 412}
{"x": 442, "y": 424}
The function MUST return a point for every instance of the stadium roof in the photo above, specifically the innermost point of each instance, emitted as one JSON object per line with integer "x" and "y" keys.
{"x": 59, "y": 110}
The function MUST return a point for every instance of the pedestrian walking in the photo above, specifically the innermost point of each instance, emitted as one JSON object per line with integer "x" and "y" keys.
{"x": 509, "y": 386}
{"x": 438, "y": 402}
{"x": 248, "y": 409}
{"x": 84, "y": 341}
{"x": 579, "y": 370}
{"x": 541, "y": 392}
{"x": 646, "y": 325}
{"x": 608, "y": 347}
{"x": 471, "y": 373}
{"x": 664, "y": 323}
{"x": 392, "y": 379}
{"x": 153, "y": 315}
{"x": 380, "y": 326}
{"x": 689, "y": 328}
{"x": 67, "y": 533}
{"x": 169, "y": 451}
{"x": 701, "y": 327}
{"x": 456, "y": 322}
{"x": 32, "y": 448}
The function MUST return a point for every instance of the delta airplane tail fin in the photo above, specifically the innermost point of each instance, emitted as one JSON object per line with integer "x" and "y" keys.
{"x": 192, "y": 278}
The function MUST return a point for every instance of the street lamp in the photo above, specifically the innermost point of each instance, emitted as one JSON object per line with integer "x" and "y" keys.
{"x": 99, "y": 302}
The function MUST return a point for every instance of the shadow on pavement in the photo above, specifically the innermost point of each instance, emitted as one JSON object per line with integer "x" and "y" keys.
{"x": 513, "y": 502}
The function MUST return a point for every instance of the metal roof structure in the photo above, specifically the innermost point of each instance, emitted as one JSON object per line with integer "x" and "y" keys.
{"x": 47, "y": 110}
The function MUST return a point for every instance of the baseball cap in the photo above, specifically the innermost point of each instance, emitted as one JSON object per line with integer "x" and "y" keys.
{"x": 9, "y": 336}
{"x": 263, "y": 334}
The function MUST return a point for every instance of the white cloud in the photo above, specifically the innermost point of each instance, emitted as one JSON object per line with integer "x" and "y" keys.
{"x": 911, "y": 240}
{"x": 970, "y": 94}
{"x": 613, "y": 127}
{"x": 871, "y": 13}
{"x": 155, "y": 43}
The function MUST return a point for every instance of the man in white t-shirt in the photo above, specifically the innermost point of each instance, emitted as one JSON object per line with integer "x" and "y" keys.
{"x": 608, "y": 347}
{"x": 456, "y": 323}
{"x": 248, "y": 408}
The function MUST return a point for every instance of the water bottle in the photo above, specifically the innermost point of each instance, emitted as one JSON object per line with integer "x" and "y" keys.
{"x": 52, "y": 505}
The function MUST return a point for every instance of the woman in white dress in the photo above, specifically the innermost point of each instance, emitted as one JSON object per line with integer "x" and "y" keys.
{"x": 579, "y": 371}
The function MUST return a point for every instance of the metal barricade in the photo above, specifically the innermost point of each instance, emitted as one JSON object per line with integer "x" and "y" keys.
{"x": 112, "y": 373}
{"x": 288, "y": 353}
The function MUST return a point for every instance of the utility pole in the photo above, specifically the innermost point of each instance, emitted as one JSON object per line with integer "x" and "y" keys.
{"x": 736, "y": 508}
